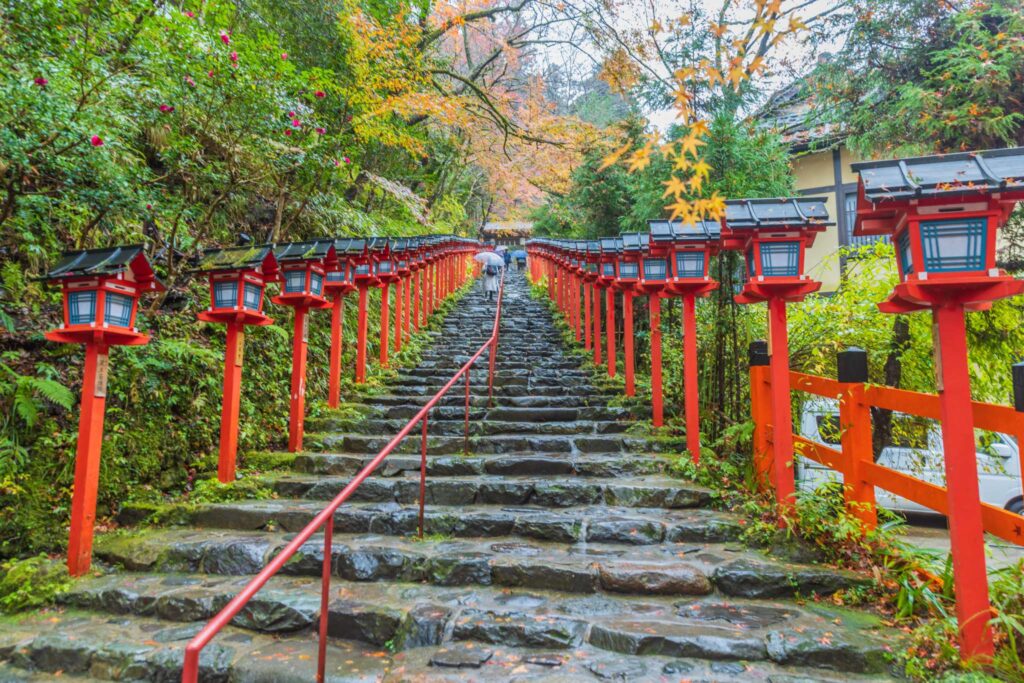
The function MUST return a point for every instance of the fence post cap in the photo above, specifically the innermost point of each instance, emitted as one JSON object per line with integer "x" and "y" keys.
{"x": 852, "y": 365}
{"x": 757, "y": 353}
{"x": 1017, "y": 370}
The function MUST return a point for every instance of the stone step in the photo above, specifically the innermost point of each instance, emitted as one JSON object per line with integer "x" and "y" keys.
{"x": 456, "y": 426}
{"x": 500, "y": 413}
{"x": 400, "y": 616}
{"x": 607, "y": 524}
{"x": 133, "y": 648}
{"x": 543, "y": 491}
{"x": 497, "y": 444}
{"x": 460, "y": 465}
{"x": 454, "y": 398}
{"x": 672, "y": 569}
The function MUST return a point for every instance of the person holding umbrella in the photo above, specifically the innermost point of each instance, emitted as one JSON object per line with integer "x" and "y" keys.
{"x": 491, "y": 263}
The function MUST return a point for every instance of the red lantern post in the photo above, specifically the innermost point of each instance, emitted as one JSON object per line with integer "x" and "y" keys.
{"x": 101, "y": 290}
{"x": 238, "y": 277}
{"x": 304, "y": 266}
{"x": 387, "y": 274}
{"x": 688, "y": 248}
{"x": 774, "y": 234}
{"x": 653, "y": 279}
{"x": 943, "y": 214}
{"x": 364, "y": 275}
{"x": 627, "y": 275}
{"x": 338, "y": 285}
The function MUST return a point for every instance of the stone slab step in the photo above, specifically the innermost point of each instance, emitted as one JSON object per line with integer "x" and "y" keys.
{"x": 400, "y": 616}
{"x": 666, "y": 569}
{"x": 544, "y": 491}
{"x": 456, "y": 426}
{"x": 496, "y": 444}
{"x": 603, "y": 524}
{"x": 76, "y": 643}
{"x": 504, "y": 465}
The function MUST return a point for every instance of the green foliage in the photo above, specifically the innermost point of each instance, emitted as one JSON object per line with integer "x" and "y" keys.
{"x": 31, "y": 582}
{"x": 922, "y": 76}
{"x": 212, "y": 491}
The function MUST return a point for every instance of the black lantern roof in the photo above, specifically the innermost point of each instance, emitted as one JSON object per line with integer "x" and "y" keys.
{"x": 784, "y": 212}
{"x": 105, "y": 262}
{"x": 349, "y": 246}
{"x": 677, "y": 231}
{"x": 235, "y": 258}
{"x": 611, "y": 245}
{"x": 376, "y": 243}
{"x": 942, "y": 175}
{"x": 594, "y": 247}
{"x": 635, "y": 241}
{"x": 312, "y": 250}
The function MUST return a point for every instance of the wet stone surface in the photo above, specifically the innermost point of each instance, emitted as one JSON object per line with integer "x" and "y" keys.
{"x": 557, "y": 549}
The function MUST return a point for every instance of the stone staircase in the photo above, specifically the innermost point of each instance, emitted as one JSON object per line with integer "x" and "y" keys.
{"x": 557, "y": 549}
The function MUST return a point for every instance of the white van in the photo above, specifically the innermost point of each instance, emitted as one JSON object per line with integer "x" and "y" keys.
{"x": 917, "y": 451}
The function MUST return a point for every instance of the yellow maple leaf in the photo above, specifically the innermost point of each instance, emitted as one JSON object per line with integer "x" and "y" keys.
{"x": 737, "y": 76}
{"x": 690, "y": 143}
{"x": 718, "y": 29}
{"x": 614, "y": 157}
{"x": 699, "y": 128}
{"x": 714, "y": 76}
{"x": 674, "y": 186}
{"x": 696, "y": 183}
{"x": 701, "y": 168}
{"x": 796, "y": 24}
{"x": 640, "y": 159}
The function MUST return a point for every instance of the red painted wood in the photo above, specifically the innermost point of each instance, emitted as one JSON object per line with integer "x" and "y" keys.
{"x": 966, "y": 532}
{"x": 233, "y": 355}
{"x": 361, "y": 338}
{"x": 627, "y": 342}
{"x": 334, "y": 377}
{"x": 385, "y": 311}
{"x": 657, "y": 396}
{"x": 297, "y": 405}
{"x": 87, "y": 460}
{"x": 609, "y": 325}
{"x": 782, "y": 413}
{"x": 690, "y": 390}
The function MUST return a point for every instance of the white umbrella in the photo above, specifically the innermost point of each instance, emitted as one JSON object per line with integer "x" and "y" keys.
{"x": 501, "y": 248}
{"x": 489, "y": 258}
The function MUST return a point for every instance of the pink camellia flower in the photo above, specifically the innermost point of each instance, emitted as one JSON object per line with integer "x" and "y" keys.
{"x": 291, "y": 115}
{"x": 210, "y": 73}
{"x": 320, "y": 93}
{"x": 166, "y": 108}
{"x": 234, "y": 57}
{"x": 296, "y": 123}
{"x": 190, "y": 14}
{"x": 346, "y": 160}
{"x": 149, "y": 207}
{"x": 96, "y": 141}
{"x": 40, "y": 81}
{"x": 321, "y": 131}
{"x": 188, "y": 79}
{"x": 225, "y": 38}
{"x": 284, "y": 55}
{"x": 337, "y": 163}
{"x": 287, "y": 131}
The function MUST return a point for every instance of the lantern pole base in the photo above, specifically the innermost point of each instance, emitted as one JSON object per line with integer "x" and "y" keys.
{"x": 233, "y": 355}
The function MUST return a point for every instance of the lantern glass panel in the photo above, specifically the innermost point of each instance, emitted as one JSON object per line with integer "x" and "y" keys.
{"x": 780, "y": 259}
{"x": 608, "y": 269}
{"x": 363, "y": 269}
{"x": 628, "y": 271}
{"x": 225, "y": 294}
{"x": 655, "y": 268}
{"x": 118, "y": 309}
{"x": 591, "y": 267}
{"x": 690, "y": 264}
{"x": 384, "y": 267}
{"x": 82, "y": 308}
{"x": 403, "y": 265}
{"x": 336, "y": 276}
{"x": 903, "y": 251}
{"x": 954, "y": 245}
{"x": 253, "y": 295}
{"x": 295, "y": 281}
{"x": 316, "y": 284}
{"x": 750, "y": 263}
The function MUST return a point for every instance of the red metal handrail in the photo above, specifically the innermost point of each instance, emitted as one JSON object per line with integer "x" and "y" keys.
{"x": 190, "y": 672}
